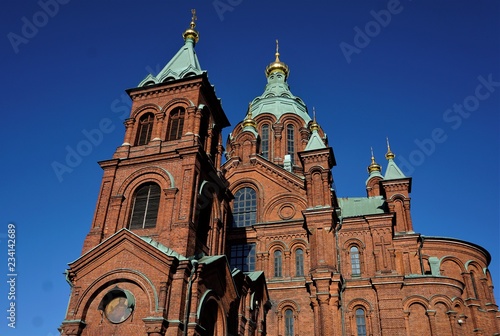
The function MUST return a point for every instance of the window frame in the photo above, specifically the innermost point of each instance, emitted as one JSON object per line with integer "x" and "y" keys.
{"x": 360, "y": 319}
{"x": 290, "y": 142}
{"x": 355, "y": 258}
{"x": 145, "y": 129}
{"x": 245, "y": 207}
{"x": 148, "y": 209}
{"x": 278, "y": 263}
{"x": 264, "y": 145}
{"x": 289, "y": 321}
{"x": 299, "y": 262}
{"x": 176, "y": 120}
{"x": 243, "y": 255}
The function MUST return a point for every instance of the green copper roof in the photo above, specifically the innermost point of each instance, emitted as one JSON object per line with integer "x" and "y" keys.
{"x": 163, "y": 248}
{"x": 393, "y": 172}
{"x": 184, "y": 64}
{"x": 360, "y": 206}
{"x": 278, "y": 100}
{"x": 315, "y": 142}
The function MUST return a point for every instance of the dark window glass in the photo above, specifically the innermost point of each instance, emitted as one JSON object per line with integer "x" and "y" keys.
{"x": 145, "y": 129}
{"x": 265, "y": 141}
{"x": 299, "y": 262}
{"x": 277, "y": 263}
{"x": 242, "y": 256}
{"x": 245, "y": 207}
{"x": 290, "y": 143}
{"x": 474, "y": 287}
{"x": 360, "y": 322}
{"x": 289, "y": 323}
{"x": 145, "y": 206}
{"x": 355, "y": 265}
{"x": 175, "y": 124}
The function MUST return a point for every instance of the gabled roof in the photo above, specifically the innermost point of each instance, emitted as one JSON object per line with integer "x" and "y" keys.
{"x": 393, "y": 172}
{"x": 315, "y": 142}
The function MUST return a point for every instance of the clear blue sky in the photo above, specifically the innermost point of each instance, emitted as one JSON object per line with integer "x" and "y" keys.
{"x": 406, "y": 80}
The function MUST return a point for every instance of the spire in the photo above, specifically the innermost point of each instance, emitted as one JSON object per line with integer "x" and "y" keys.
{"x": 184, "y": 63}
{"x": 315, "y": 141}
{"x": 277, "y": 65}
{"x": 374, "y": 167}
{"x": 392, "y": 172}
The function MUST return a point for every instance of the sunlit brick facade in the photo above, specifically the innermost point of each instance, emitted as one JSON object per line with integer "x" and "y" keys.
{"x": 191, "y": 238}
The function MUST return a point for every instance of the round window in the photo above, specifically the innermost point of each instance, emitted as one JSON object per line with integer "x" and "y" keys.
{"x": 117, "y": 305}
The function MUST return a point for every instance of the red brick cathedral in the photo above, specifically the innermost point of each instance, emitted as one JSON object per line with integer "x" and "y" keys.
{"x": 186, "y": 242}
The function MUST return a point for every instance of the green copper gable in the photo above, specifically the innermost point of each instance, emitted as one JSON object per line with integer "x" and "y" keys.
{"x": 315, "y": 142}
{"x": 393, "y": 172}
{"x": 184, "y": 64}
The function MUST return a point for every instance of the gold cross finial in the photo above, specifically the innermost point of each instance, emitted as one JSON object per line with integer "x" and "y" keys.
{"x": 193, "y": 17}
{"x": 277, "y": 51}
{"x": 371, "y": 149}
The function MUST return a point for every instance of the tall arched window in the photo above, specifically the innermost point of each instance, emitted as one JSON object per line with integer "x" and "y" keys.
{"x": 277, "y": 263}
{"x": 474, "y": 285}
{"x": 145, "y": 129}
{"x": 289, "y": 323}
{"x": 245, "y": 207}
{"x": 145, "y": 206}
{"x": 175, "y": 124}
{"x": 299, "y": 262}
{"x": 360, "y": 322}
{"x": 265, "y": 141}
{"x": 290, "y": 142}
{"x": 355, "y": 264}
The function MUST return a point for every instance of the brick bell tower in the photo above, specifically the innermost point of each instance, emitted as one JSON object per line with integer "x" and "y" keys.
{"x": 153, "y": 263}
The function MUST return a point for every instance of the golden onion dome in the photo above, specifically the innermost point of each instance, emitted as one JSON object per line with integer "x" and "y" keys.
{"x": 192, "y": 33}
{"x": 249, "y": 122}
{"x": 374, "y": 166}
{"x": 314, "y": 125}
{"x": 277, "y": 65}
{"x": 389, "y": 155}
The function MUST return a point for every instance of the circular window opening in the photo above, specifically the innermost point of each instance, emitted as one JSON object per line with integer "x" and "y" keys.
{"x": 117, "y": 305}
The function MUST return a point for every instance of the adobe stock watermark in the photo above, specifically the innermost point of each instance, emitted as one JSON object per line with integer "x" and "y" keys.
{"x": 223, "y": 6}
{"x": 372, "y": 29}
{"x": 454, "y": 118}
{"x": 30, "y": 28}
{"x": 93, "y": 138}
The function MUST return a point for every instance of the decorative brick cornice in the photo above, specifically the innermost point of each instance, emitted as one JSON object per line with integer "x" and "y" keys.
{"x": 72, "y": 327}
{"x": 159, "y": 91}
{"x": 155, "y": 325}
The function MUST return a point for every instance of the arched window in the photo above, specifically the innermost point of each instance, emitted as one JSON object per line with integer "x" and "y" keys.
{"x": 175, "y": 124}
{"x": 277, "y": 263}
{"x": 265, "y": 141}
{"x": 299, "y": 262}
{"x": 289, "y": 323}
{"x": 355, "y": 264}
{"x": 245, "y": 207}
{"x": 145, "y": 129}
{"x": 145, "y": 206}
{"x": 360, "y": 322}
{"x": 290, "y": 142}
{"x": 474, "y": 286}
